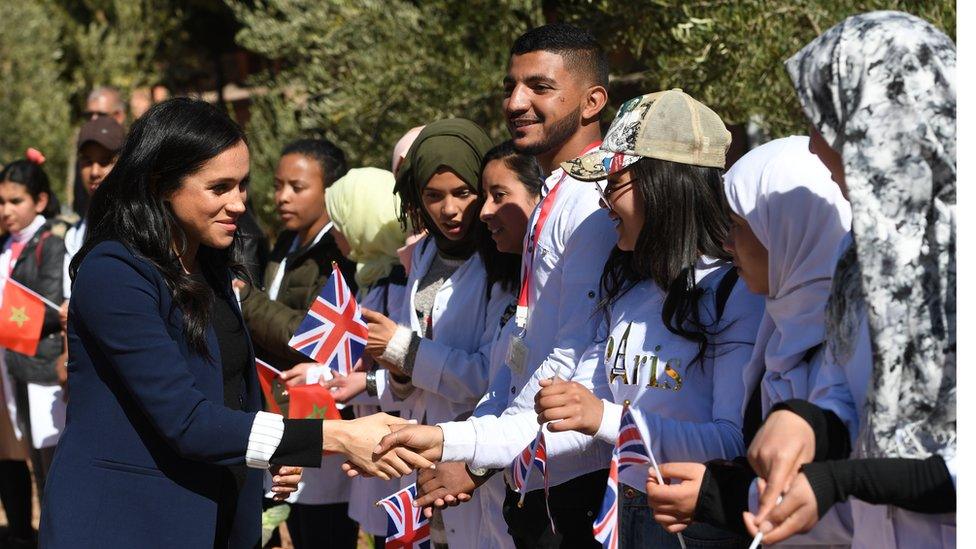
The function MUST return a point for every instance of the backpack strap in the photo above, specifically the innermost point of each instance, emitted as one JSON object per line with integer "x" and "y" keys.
{"x": 723, "y": 291}
{"x": 40, "y": 246}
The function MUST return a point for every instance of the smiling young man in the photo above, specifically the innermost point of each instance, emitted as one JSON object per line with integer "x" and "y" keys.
{"x": 555, "y": 89}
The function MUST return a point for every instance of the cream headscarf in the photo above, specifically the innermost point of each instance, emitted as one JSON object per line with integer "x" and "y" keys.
{"x": 798, "y": 214}
{"x": 364, "y": 209}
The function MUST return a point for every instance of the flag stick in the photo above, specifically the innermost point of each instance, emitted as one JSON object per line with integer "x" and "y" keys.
{"x": 660, "y": 480}
{"x": 43, "y": 299}
{"x": 756, "y": 541}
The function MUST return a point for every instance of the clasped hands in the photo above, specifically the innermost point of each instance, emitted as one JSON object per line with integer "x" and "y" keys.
{"x": 787, "y": 503}
{"x": 566, "y": 405}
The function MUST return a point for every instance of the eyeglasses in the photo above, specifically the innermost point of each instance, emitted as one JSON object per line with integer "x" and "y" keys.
{"x": 608, "y": 191}
{"x": 91, "y": 115}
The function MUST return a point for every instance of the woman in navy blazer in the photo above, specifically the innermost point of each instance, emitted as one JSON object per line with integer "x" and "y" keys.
{"x": 164, "y": 403}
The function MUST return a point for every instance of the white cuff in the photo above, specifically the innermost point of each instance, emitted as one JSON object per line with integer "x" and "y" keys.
{"x": 460, "y": 441}
{"x": 396, "y": 350}
{"x": 610, "y": 425}
{"x": 265, "y": 437}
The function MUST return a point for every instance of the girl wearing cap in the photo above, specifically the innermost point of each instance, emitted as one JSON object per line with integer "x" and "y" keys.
{"x": 435, "y": 348}
{"x": 30, "y": 256}
{"x": 885, "y": 126}
{"x": 788, "y": 218}
{"x": 678, "y": 325}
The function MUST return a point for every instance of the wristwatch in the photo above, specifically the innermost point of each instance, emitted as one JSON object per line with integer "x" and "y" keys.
{"x": 480, "y": 472}
{"x": 371, "y": 383}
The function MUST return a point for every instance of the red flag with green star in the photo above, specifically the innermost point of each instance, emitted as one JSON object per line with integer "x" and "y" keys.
{"x": 21, "y": 318}
{"x": 311, "y": 402}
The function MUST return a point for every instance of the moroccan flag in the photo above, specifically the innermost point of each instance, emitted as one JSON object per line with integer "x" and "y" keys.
{"x": 271, "y": 385}
{"x": 311, "y": 402}
{"x": 21, "y": 318}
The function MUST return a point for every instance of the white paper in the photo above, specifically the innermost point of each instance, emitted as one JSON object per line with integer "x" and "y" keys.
{"x": 47, "y": 408}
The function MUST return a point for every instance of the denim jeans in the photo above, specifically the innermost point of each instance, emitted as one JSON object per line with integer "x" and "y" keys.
{"x": 637, "y": 527}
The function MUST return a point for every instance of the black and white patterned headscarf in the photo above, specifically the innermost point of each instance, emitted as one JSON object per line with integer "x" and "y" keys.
{"x": 880, "y": 88}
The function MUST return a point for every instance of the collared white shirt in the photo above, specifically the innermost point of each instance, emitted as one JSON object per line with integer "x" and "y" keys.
{"x": 567, "y": 263}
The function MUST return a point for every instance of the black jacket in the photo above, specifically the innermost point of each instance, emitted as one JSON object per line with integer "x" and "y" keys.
{"x": 272, "y": 323}
{"x": 40, "y": 268}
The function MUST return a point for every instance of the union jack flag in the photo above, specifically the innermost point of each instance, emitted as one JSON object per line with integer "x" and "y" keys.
{"x": 533, "y": 454}
{"x": 333, "y": 331}
{"x": 407, "y": 527}
{"x": 605, "y": 525}
{"x": 630, "y": 449}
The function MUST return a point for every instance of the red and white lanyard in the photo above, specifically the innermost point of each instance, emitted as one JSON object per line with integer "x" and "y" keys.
{"x": 528, "y": 251}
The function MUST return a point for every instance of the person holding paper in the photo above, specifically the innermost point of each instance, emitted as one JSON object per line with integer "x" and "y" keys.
{"x": 299, "y": 266}
{"x": 165, "y": 440}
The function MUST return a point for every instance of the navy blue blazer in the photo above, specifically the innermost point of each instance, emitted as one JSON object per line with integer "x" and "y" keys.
{"x": 147, "y": 437}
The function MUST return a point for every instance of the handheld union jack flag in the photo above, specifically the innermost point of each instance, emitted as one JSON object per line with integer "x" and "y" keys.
{"x": 407, "y": 527}
{"x": 333, "y": 332}
{"x": 629, "y": 451}
{"x": 605, "y": 525}
{"x": 533, "y": 454}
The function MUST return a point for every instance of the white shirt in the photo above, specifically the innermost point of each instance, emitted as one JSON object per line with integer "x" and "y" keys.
{"x": 566, "y": 267}
{"x": 450, "y": 370}
{"x": 685, "y": 412}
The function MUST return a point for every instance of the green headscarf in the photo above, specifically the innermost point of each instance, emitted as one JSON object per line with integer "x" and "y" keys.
{"x": 457, "y": 144}
{"x": 364, "y": 209}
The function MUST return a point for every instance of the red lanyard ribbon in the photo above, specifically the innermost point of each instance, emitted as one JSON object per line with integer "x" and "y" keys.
{"x": 531, "y": 243}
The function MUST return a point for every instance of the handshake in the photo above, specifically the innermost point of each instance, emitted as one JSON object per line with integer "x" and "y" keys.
{"x": 382, "y": 445}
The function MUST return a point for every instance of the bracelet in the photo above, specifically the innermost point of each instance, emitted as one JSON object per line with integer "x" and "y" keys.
{"x": 371, "y": 383}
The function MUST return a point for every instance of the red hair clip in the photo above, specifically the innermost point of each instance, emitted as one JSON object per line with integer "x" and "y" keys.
{"x": 35, "y": 156}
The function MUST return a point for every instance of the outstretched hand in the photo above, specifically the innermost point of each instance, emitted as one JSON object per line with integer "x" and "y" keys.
{"x": 357, "y": 439}
{"x": 345, "y": 388}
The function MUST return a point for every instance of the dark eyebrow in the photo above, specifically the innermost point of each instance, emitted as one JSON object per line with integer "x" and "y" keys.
{"x": 539, "y": 79}
{"x": 532, "y": 80}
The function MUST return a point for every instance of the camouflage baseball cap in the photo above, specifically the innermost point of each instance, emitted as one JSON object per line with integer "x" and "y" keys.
{"x": 668, "y": 125}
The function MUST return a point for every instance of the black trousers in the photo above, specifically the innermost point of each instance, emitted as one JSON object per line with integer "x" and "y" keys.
{"x": 574, "y": 506}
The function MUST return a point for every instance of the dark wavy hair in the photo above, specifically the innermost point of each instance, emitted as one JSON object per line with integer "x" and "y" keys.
{"x": 504, "y": 267}
{"x": 171, "y": 141}
{"x": 33, "y": 177}
{"x": 685, "y": 217}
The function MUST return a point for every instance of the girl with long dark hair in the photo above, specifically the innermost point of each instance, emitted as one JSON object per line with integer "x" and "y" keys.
{"x": 164, "y": 411}
{"x": 678, "y": 326}
{"x": 30, "y": 256}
